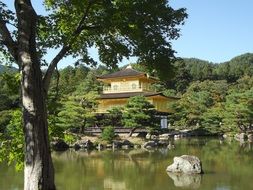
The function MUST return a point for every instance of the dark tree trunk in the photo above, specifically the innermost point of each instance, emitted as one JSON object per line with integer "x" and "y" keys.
{"x": 132, "y": 131}
{"x": 38, "y": 171}
{"x": 81, "y": 130}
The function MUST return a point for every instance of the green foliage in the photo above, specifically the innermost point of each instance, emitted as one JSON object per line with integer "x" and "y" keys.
{"x": 5, "y": 117}
{"x": 216, "y": 106}
{"x": 12, "y": 142}
{"x": 69, "y": 138}
{"x": 77, "y": 112}
{"x": 89, "y": 84}
{"x": 200, "y": 104}
{"x": 236, "y": 68}
{"x": 182, "y": 77}
{"x": 112, "y": 118}
{"x": 72, "y": 114}
{"x": 5, "y": 102}
{"x": 139, "y": 113}
{"x": 212, "y": 120}
{"x": 53, "y": 128}
{"x": 11, "y": 82}
{"x": 108, "y": 134}
{"x": 239, "y": 110}
{"x": 73, "y": 103}
{"x": 117, "y": 29}
{"x": 9, "y": 92}
{"x": 115, "y": 116}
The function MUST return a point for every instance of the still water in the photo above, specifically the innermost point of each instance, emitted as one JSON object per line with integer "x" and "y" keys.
{"x": 227, "y": 166}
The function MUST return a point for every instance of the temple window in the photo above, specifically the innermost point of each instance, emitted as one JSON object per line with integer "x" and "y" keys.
{"x": 115, "y": 87}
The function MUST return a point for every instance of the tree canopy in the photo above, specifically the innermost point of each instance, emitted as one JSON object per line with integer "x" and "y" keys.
{"x": 139, "y": 113}
{"x": 116, "y": 28}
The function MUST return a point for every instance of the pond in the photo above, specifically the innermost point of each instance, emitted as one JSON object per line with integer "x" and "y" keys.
{"x": 227, "y": 166}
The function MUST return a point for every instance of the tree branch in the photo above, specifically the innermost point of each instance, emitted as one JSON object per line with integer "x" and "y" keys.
{"x": 52, "y": 66}
{"x": 65, "y": 48}
{"x": 8, "y": 41}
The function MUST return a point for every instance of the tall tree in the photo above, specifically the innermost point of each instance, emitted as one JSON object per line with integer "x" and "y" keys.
{"x": 139, "y": 113}
{"x": 116, "y": 28}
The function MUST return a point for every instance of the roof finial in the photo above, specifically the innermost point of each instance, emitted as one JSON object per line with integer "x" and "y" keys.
{"x": 129, "y": 66}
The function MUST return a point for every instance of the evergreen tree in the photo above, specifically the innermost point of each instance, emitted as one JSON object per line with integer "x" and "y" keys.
{"x": 239, "y": 110}
{"x": 139, "y": 113}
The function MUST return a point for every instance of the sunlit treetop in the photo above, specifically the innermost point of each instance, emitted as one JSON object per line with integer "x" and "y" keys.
{"x": 116, "y": 28}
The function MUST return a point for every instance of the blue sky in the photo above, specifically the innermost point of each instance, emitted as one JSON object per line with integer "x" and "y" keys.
{"x": 216, "y": 30}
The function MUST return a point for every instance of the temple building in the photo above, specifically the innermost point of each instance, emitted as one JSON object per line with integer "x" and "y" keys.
{"x": 126, "y": 83}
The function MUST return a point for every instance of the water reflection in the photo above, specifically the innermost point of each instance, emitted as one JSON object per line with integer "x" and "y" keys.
{"x": 110, "y": 183}
{"x": 191, "y": 181}
{"x": 227, "y": 166}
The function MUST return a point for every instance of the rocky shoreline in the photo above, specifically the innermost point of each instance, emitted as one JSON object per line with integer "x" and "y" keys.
{"x": 150, "y": 141}
{"x": 241, "y": 137}
{"x": 121, "y": 142}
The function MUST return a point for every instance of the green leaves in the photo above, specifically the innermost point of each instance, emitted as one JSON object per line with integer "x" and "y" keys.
{"x": 139, "y": 112}
{"x": 77, "y": 112}
{"x": 108, "y": 133}
{"x": 12, "y": 141}
{"x": 117, "y": 29}
{"x": 239, "y": 109}
{"x": 216, "y": 106}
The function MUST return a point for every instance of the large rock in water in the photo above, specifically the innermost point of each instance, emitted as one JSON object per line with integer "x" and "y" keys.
{"x": 186, "y": 164}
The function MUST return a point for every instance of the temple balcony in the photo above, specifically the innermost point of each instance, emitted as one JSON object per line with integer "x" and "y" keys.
{"x": 123, "y": 89}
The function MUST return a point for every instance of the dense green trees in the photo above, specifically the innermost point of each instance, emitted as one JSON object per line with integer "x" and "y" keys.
{"x": 117, "y": 29}
{"x": 139, "y": 113}
{"x": 214, "y": 105}
{"x": 239, "y": 104}
{"x": 188, "y": 70}
{"x": 9, "y": 96}
{"x": 13, "y": 140}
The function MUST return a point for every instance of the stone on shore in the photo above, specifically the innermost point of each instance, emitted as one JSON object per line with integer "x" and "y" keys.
{"x": 185, "y": 164}
{"x": 250, "y": 137}
{"x": 150, "y": 144}
{"x": 151, "y": 137}
{"x": 59, "y": 145}
{"x": 165, "y": 136}
{"x": 241, "y": 137}
{"x": 127, "y": 144}
{"x": 83, "y": 144}
{"x": 116, "y": 144}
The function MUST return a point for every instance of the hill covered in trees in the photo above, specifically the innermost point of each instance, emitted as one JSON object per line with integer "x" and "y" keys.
{"x": 4, "y": 68}
{"x": 217, "y": 98}
{"x": 189, "y": 70}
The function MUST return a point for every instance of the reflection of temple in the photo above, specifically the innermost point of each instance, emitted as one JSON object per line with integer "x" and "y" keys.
{"x": 111, "y": 184}
{"x": 121, "y": 85}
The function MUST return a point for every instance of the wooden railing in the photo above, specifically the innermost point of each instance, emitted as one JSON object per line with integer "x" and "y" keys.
{"x": 120, "y": 89}
{"x": 108, "y": 89}
{"x": 98, "y": 130}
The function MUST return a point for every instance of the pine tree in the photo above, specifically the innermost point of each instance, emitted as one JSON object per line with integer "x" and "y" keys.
{"x": 139, "y": 113}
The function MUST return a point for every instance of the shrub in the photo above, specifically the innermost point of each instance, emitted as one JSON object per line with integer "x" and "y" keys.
{"x": 12, "y": 149}
{"x": 108, "y": 134}
{"x": 69, "y": 138}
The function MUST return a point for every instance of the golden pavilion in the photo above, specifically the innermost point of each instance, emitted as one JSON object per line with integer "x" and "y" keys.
{"x": 126, "y": 83}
